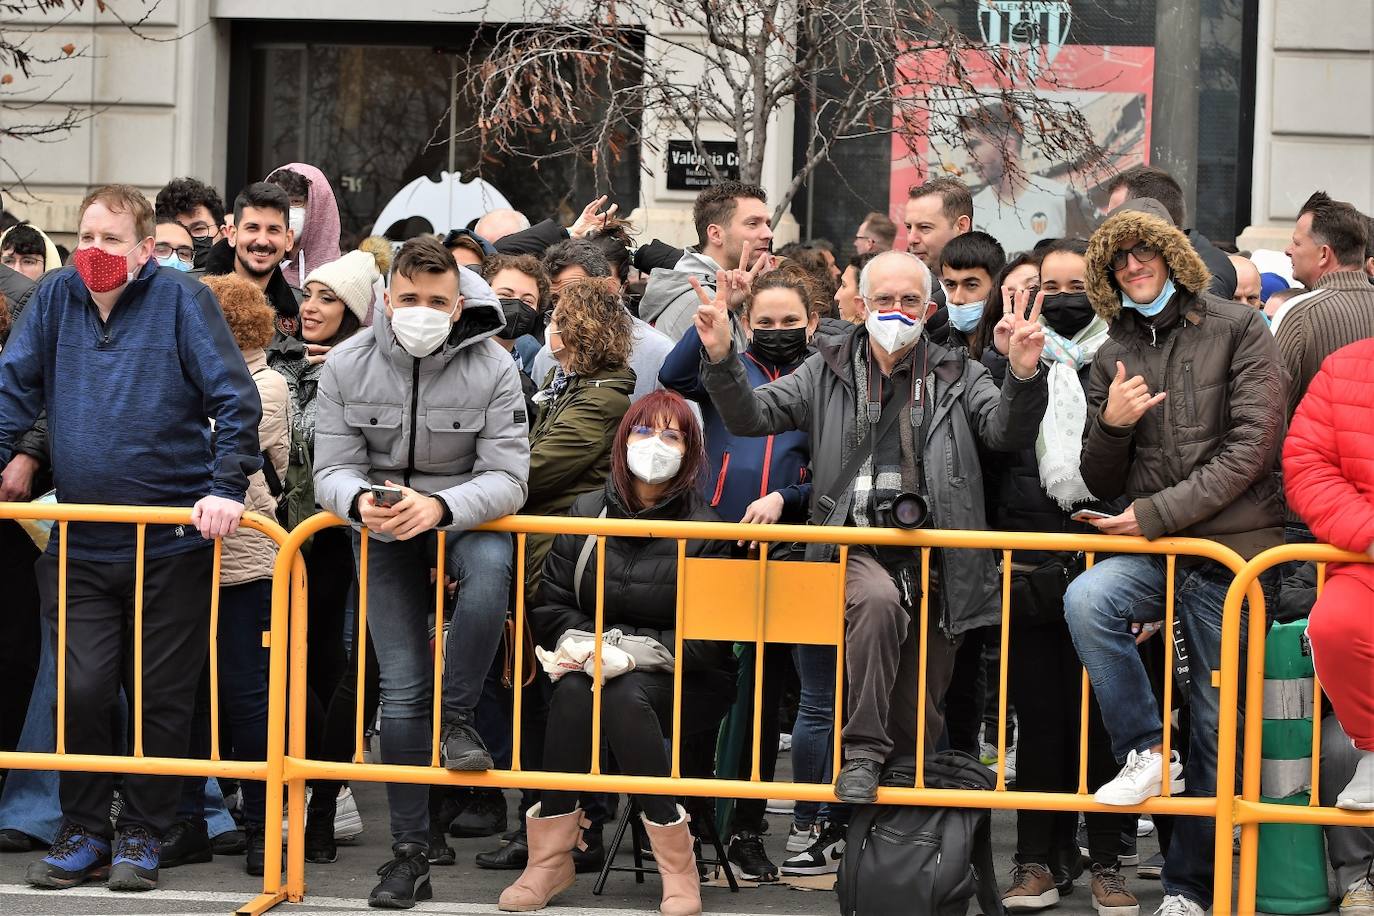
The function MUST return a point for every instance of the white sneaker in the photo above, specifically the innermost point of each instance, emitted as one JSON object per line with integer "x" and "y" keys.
{"x": 822, "y": 857}
{"x": 1359, "y": 899}
{"x": 780, "y": 806}
{"x": 348, "y": 823}
{"x": 1178, "y": 905}
{"x": 1139, "y": 779}
{"x": 1144, "y": 825}
{"x": 784, "y": 742}
{"x": 799, "y": 839}
{"x": 1358, "y": 795}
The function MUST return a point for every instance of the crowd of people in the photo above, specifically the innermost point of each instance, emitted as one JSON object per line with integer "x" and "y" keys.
{"x": 1138, "y": 380}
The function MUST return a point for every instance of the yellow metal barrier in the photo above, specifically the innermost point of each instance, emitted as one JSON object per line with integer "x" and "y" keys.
{"x": 269, "y": 770}
{"x": 1250, "y": 812}
{"x": 759, "y": 601}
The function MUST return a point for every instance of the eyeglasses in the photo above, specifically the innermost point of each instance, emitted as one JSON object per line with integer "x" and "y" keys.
{"x": 185, "y": 253}
{"x": 16, "y": 261}
{"x": 1143, "y": 254}
{"x": 667, "y": 434}
{"x": 911, "y": 303}
{"x": 200, "y": 230}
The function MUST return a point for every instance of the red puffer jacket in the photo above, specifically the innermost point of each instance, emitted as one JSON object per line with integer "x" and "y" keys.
{"x": 1328, "y": 460}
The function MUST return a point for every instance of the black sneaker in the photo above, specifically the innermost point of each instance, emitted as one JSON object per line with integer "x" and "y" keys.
{"x": 405, "y": 879}
{"x": 439, "y": 852}
{"x": 186, "y": 843}
{"x": 822, "y": 857}
{"x": 228, "y": 843}
{"x": 320, "y": 848}
{"x": 1151, "y": 868}
{"x": 513, "y": 855}
{"x": 484, "y": 814}
{"x": 858, "y": 781}
{"x": 462, "y": 747}
{"x": 136, "y": 860}
{"x": 17, "y": 841}
{"x": 254, "y": 851}
{"x": 749, "y": 859}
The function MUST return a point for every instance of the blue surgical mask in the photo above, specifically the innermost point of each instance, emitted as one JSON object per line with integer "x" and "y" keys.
{"x": 966, "y": 317}
{"x": 175, "y": 263}
{"x": 1151, "y": 309}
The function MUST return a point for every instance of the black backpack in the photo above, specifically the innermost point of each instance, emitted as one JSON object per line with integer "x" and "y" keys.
{"x": 905, "y": 860}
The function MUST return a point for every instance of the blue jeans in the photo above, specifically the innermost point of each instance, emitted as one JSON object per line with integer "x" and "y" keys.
{"x": 813, "y": 733}
{"x": 1100, "y": 607}
{"x": 400, "y": 598}
{"x": 29, "y": 803}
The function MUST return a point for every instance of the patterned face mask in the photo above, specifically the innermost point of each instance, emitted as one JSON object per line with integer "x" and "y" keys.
{"x": 102, "y": 271}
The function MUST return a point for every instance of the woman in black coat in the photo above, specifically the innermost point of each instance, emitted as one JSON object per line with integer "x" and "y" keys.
{"x": 656, "y": 459}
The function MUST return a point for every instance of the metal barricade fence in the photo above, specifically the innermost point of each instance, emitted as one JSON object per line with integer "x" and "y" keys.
{"x": 761, "y": 601}
{"x": 1250, "y": 811}
{"x": 268, "y": 770}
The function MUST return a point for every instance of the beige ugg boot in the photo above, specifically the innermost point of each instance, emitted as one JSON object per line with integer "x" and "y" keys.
{"x": 677, "y": 864}
{"x": 549, "y": 870}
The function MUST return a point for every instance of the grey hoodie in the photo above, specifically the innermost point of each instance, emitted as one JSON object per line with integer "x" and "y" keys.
{"x": 452, "y": 424}
{"x": 670, "y": 303}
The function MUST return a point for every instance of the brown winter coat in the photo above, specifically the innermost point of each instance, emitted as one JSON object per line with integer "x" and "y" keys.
{"x": 250, "y": 555}
{"x": 1203, "y": 462}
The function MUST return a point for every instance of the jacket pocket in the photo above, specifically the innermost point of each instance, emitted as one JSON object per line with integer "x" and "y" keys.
{"x": 380, "y": 425}
{"x": 452, "y": 434}
{"x": 1189, "y": 395}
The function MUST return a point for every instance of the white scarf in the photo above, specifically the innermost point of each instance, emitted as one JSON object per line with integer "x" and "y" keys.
{"x": 1060, "y": 445}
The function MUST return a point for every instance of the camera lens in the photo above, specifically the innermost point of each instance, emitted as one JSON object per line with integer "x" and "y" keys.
{"x": 908, "y": 510}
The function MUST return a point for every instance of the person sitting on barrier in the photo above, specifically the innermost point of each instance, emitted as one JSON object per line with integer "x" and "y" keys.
{"x": 1326, "y": 466}
{"x": 1039, "y": 489}
{"x": 422, "y": 427}
{"x": 765, "y": 480}
{"x": 921, "y": 413}
{"x": 100, "y": 342}
{"x": 657, "y": 459}
{"x": 1199, "y": 464}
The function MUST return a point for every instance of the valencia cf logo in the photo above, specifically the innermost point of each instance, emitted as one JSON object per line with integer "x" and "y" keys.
{"x": 1026, "y": 25}
{"x": 1039, "y": 222}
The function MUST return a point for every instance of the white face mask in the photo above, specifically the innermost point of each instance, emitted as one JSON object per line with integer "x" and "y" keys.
{"x": 295, "y": 221}
{"x": 421, "y": 330}
{"x": 894, "y": 330}
{"x": 653, "y": 460}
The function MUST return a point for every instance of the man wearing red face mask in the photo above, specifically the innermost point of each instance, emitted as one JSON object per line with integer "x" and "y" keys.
{"x": 132, "y": 363}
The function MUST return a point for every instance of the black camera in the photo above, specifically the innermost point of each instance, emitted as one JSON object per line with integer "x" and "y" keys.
{"x": 905, "y": 510}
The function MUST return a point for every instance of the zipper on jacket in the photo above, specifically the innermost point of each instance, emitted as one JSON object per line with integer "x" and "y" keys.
{"x": 720, "y": 480}
{"x": 414, "y": 417}
{"x": 767, "y": 466}
{"x": 1189, "y": 394}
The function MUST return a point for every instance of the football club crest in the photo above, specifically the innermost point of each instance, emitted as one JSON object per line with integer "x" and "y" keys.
{"x": 1026, "y": 26}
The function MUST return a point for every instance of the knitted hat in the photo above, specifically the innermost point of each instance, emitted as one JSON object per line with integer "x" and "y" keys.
{"x": 1270, "y": 284}
{"x": 350, "y": 278}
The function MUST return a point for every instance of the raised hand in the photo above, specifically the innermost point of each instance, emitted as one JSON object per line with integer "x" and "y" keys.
{"x": 1001, "y": 334}
{"x": 1128, "y": 399}
{"x": 1027, "y": 336}
{"x": 592, "y": 217}
{"x": 713, "y": 317}
{"x": 742, "y": 280}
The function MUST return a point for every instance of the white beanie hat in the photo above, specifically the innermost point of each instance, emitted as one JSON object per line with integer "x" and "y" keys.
{"x": 351, "y": 278}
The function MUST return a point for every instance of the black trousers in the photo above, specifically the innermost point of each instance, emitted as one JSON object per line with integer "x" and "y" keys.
{"x": 636, "y": 721}
{"x": 749, "y": 813}
{"x": 100, "y": 632}
{"x": 19, "y": 630}
{"x": 970, "y": 687}
{"x": 1045, "y": 680}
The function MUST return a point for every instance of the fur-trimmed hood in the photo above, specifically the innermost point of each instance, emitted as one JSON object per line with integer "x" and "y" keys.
{"x": 1148, "y": 221}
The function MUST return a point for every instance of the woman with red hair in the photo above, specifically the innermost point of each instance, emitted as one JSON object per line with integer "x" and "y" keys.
{"x": 657, "y": 459}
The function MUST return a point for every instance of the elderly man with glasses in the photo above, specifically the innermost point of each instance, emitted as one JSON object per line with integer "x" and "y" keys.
{"x": 920, "y": 415}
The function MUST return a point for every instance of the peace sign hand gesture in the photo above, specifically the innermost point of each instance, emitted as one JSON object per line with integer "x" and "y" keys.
{"x": 1027, "y": 339}
{"x": 742, "y": 280}
{"x": 713, "y": 316}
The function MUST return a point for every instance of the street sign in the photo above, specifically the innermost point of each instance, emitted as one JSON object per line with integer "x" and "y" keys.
{"x": 687, "y": 171}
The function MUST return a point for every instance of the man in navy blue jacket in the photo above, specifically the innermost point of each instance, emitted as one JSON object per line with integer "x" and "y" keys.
{"x": 132, "y": 363}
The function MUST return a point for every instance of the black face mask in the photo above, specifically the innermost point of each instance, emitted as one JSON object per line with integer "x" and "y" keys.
{"x": 780, "y": 346}
{"x": 520, "y": 319}
{"x": 1067, "y": 313}
{"x": 201, "y": 247}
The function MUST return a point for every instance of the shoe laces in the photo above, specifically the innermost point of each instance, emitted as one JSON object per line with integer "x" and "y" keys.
{"x": 1137, "y": 763}
{"x": 1021, "y": 872}
{"x": 67, "y": 842}
{"x": 1110, "y": 879}
{"x": 829, "y": 835}
{"x": 1176, "y": 905}
{"x": 403, "y": 867}
{"x": 749, "y": 846}
{"x": 135, "y": 843}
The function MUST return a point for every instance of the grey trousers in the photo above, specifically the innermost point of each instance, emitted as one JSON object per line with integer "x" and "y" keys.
{"x": 881, "y": 659}
{"x": 1350, "y": 849}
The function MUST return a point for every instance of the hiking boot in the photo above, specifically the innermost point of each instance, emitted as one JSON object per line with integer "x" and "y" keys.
{"x": 858, "y": 781}
{"x": 1358, "y": 899}
{"x": 677, "y": 865}
{"x": 439, "y": 852}
{"x": 1179, "y": 905}
{"x": 320, "y": 846}
{"x": 1151, "y": 868}
{"x": 514, "y": 854}
{"x": 749, "y": 859}
{"x": 186, "y": 843}
{"x": 405, "y": 879}
{"x": 135, "y": 862}
{"x": 75, "y": 857}
{"x": 822, "y": 857}
{"x": 1032, "y": 889}
{"x": 462, "y": 746}
{"x": 483, "y": 815}
{"x": 1140, "y": 779}
{"x": 17, "y": 841}
{"x": 1110, "y": 897}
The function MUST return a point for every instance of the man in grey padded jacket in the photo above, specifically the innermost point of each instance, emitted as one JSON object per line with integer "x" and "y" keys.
{"x": 425, "y": 402}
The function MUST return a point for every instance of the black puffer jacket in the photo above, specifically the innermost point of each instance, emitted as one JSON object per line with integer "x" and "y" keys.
{"x": 641, "y": 586}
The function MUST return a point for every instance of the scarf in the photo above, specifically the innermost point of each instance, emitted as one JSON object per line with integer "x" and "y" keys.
{"x": 557, "y": 385}
{"x": 892, "y": 467}
{"x": 1059, "y": 447}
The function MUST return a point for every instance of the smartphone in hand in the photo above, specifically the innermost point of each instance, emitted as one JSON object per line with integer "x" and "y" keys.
{"x": 386, "y": 497}
{"x": 1085, "y": 515}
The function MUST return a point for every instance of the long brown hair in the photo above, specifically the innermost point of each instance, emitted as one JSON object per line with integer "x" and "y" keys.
{"x": 659, "y": 407}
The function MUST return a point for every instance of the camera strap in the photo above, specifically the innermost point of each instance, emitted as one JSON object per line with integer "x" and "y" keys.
{"x": 868, "y": 444}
